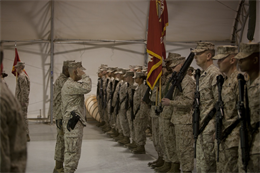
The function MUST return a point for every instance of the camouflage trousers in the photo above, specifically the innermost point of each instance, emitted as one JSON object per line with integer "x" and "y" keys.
{"x": 130, "y": 123}
{"x": 105, "y": 115}
{"x": 140, "y": 125}
{"x": 109, "y": 114}
{"x": 118, "y": 126}
{"x": 228, "y": 159}
{"x": 156, "y": 136}
{"x": 59, "y": 147}
{"x": 73, "y": 142}
{"x": 169, "y": 141}
{"x": 124, "y": 122}
{"x": 254, "y": 160}
{"x": 161, "y": 139}
{"x": 24, "y": 112}
{"x": 100, "y": 111}
{"x": 184, "y": 146}
{"x": 205, "y": 154}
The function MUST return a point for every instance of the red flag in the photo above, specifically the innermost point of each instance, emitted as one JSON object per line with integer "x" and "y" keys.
{"x": 155, "y": 45}
{"x": 16, "y": 59}
{"x": 164, "y": 22}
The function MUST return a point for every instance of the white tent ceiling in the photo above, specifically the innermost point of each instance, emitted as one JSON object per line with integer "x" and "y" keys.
{"x": 98, "y": 32}
{"x": 191, "y": 20}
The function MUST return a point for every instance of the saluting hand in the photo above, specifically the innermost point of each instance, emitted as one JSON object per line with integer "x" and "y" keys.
{"x": 80, "y": 72}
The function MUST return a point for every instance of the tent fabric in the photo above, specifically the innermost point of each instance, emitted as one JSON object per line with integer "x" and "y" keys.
{"x": 115, "y": 19}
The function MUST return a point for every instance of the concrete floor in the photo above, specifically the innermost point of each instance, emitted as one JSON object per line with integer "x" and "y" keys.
{"x": 99, "y": 152}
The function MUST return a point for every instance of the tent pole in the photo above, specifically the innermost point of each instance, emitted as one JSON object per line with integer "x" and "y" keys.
{"x": 52, "y": 60}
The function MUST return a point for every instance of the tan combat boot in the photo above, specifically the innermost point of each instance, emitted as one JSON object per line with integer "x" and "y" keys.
{"x": 175, "y": 168}
{"x": 28, "y": 138}
{"x": 124, "y": 141}
{"x": 131, "y": 145}
{"x": 165, "y": 166}
{"x": 120, "y": 136}
{"x": 101, "y": 124}
{"x": 165, "y": 169}
{"x": 58, "y": 167}
{"x": 139, "y": 149}
{"x": 158, "y": 163}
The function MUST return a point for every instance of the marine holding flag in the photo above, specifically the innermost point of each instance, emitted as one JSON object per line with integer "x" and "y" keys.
{"x": 158, "y": 20}
{"x": 22, "y": 87}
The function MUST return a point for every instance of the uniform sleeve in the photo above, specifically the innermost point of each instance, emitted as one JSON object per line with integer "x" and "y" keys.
{"x": 115, "y": 96}
{"x": 13, "y": 137}
{"x": 25, "y": 90}
{"x": 186, "y": 98}
{"x": 143, "y": 105}
{"x": 83, "y": 87}
{"x": 214, "y": 87}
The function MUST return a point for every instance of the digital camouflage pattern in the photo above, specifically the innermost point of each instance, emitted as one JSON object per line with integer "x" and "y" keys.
{"x": 182, "y": 119}
{"x": 254, "y": 107}
{"x": 115, "y": 97}
{"x": 184, "y": 146}
{"x": 169, "y": 140}
{"x": 72, "y": 95}
{"x": 22, "y": 92}
{"x": 182, "y": 102}
{"x": 13, "y": 143}
{"x": 128, "y": 112}
{"x": 122, "y": 112}
{"x": 57, "y": 96}
{"x": 110, "y": 89}
{"x": 99, "y": 100}
{"x": 161, "y": 139}
{"x": 59, "y": 147}
{"x": 206, "y": 161}
{"x": 155, "y": 124}
{"x": 140, "y": 121}
{"x": 105, "y": 113}
{"x": 228, "y": 152}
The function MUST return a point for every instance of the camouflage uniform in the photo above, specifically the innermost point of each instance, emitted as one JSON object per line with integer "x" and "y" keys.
{"x": 155, "y": 124}
{"x": 140, "y": 121}
{"x": 206, "y": 161}
{"x": 228, "y": 148}
{"x": 72, "y": 95}
{"x": 110, "y": 88}
{"x": 253, "y": 90}
{"x": 99, "y": 99}
{"x": 115, "y": 98}
{"x": 105, "y": 98}
{"x": 128, "y": 112}
{"x": 122, "y": 112}
{"x": 13, "y": 143}
{"x": 102, "y": 112}
{"x": 182, "y": 120}
{"x": 166, "y": 130}
{"x": 22, "y": 94}
{"x": 59, "y": 148}
{"x": 254, "y": 107}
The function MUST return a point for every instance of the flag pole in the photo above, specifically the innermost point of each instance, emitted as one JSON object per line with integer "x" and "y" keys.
{"x": 160, "y": 90}
{"x": 156, "y": 103}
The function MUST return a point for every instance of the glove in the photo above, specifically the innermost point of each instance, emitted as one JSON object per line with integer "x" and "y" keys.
{"x": 59, "y": 123}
